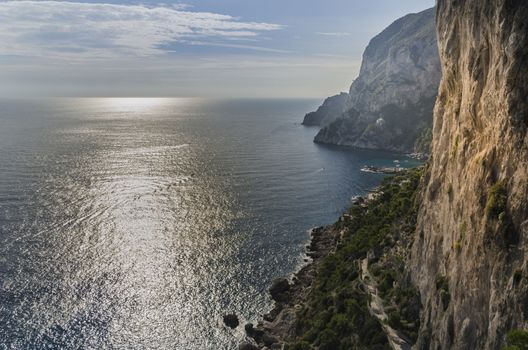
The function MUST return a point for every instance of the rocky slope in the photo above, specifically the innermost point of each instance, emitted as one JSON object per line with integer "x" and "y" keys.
{"x": 330, "y": 110}
{"x": 330, "y": 305}
{"x": 469, "y": 257}
{"x": 390, "y": 104}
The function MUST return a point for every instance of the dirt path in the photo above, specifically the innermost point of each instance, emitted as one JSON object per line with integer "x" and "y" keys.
{"x": 377, "y": 310}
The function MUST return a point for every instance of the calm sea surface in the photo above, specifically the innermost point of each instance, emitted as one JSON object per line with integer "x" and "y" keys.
{"x": 138, "y": 223}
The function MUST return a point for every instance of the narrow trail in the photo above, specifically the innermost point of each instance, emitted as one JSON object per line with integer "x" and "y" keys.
{"x": 376, "y": 308}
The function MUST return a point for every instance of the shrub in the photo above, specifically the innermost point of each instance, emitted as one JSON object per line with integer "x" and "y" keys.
{"x": 395, "y": 319}
{"x": 335, "y": 315}
{"x": 328, "y": 340}
{"x": 517, "y": 340}
{"x": 458, "y": 246}
{"x": 340, "y": 324}
{"x": 442, "y": 283}
{"x": 300, "y": 345}
{"x": 442, "y": 286}
{"x": 463, "y": 230}
{"x": 497, "y": 200}
{"x": 386, "y": 282}
{"x": 454, "y": 150}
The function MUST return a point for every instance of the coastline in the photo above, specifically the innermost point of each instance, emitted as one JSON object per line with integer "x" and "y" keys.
{"x": 376, "y": 229}
{"x": 277, "y": 327}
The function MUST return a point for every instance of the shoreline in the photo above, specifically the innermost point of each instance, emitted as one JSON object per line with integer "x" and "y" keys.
{"x": 278, "y": 326}
{"x": 297, "y": 311}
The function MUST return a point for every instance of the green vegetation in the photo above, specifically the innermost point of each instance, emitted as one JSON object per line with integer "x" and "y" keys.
{"x": 458, "y": 246}
{"x": 442, "y": 283}
{"x": 401, "y": 299}
{"x": 455, "y": 146}
{"x": 463, "y": 230}
{"x": 442, "y": 287}
{"x": 497, "y": 200}
{"x": 517, "y": 340}
{"x": 336, "y": 314}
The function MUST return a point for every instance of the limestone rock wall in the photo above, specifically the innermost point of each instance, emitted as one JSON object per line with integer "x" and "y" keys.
{"x": 395, "y": 91}
{"x": 469, "y": 256}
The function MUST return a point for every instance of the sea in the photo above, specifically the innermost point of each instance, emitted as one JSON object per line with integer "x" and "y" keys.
{"x": 137, "y": 223}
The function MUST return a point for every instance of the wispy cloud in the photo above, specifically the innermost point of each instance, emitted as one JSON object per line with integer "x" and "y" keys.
{"x": 338, "y": 34}
{"x": 89, "y": 30}
{"x": 237, "y": 46}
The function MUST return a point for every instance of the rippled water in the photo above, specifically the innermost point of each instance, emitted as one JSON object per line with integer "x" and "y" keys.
{"x": 138, "y": 223}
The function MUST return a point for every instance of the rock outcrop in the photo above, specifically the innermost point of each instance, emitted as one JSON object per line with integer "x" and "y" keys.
{"x": 231, "y": 321}
{"x": 390, "y": 104}
{"x": 469, "y": 257}
{"x": 278, "y": 326}
{"x": 330, "y": 110}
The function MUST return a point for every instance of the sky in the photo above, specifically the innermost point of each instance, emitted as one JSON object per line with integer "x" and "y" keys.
{"x": 188, "y": 48}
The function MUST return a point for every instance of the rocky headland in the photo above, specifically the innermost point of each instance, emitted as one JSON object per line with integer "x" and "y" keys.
{"x": 331, "y": 109}
{"x": 390, "y": 104}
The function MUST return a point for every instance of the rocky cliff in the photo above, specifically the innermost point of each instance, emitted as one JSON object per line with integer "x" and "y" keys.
{"x": 391, "y": 102}
{"x": 436, "y": 258}
{"x": 330, "y": 110}
{"x": 469, "y": 256}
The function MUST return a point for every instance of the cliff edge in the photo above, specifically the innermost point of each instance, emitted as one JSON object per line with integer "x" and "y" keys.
{"x": 390, "y": 104}
{"x": 469, "y": 256}
{"x": 330, "y": 110}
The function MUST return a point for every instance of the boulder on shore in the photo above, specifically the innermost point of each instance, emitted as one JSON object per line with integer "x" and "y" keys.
{"x": 280, "y": 290}
{"x": 231, "y": 320}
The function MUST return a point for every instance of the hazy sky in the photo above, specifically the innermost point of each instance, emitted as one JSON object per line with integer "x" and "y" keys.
{"x": 223, "y": 48}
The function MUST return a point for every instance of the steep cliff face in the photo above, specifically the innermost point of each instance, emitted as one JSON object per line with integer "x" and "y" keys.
{"x": 392, "y": 99}
{"x": 330, "y": 110}
{"x": 469, "y": 256}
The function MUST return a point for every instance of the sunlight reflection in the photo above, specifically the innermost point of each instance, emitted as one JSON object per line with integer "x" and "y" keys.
{"x": 135, "y": 104}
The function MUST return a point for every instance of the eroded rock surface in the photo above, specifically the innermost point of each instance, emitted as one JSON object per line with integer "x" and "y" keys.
{"x": 469, "y": 259}
{"x": 390, "y": 104}
{"x": 329, "y": 111}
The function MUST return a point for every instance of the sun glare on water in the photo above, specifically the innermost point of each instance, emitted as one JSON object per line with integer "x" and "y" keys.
{"x": 135, "y": 103}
